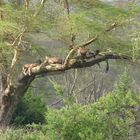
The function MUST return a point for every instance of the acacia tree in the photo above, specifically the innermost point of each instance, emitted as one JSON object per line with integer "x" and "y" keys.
{"x": 80, "y": 24}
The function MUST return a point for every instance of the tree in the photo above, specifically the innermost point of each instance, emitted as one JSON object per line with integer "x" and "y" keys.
{"x": 72, "y": 22}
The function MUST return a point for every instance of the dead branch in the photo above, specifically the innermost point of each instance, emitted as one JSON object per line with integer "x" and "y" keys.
{"x": 70, "y": 54}
{"x": 17, "y": 42}
{"x": 18, "y": 38}
{"x": 15, "y": 57}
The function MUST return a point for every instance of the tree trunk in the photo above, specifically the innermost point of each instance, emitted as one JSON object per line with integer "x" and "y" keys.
{"x": 11, "y": 96}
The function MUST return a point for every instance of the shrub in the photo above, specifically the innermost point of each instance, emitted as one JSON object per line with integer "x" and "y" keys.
{"x": 22, "y": 134}
{"x": 108, "y": 119}
{"x": 30, "y": 110}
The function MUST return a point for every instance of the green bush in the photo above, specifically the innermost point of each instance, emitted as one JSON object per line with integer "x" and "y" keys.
{"x": 108, "y": 119}
{"x": 22, "y": 134}
{"x": 30, "y": 110}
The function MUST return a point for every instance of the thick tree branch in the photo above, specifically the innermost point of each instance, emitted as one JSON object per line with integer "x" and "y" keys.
{"x": 24, "y": 80}
{"x": 74, "y": 63}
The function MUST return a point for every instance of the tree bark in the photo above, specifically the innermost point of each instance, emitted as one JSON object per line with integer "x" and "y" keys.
{"x": 10, "y": 99}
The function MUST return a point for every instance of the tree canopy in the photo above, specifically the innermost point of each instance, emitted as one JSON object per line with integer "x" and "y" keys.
{"x": 85, "y": 20}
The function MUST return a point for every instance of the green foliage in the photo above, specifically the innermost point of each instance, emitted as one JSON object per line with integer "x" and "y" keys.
{"x": 109, "y": 118}
{"x": 58, "y": 88}
{"x": 123, "y": 85}
{"x": 93, "y": 17}
{"x": 15, "y": 21}
{"x": 86, "y": 17}
{"x": 136, "y": 50}
{"x": 31, "y": 109}
{"x": 22, "y": 134}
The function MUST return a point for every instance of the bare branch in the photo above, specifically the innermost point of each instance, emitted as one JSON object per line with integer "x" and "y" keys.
{"x": 70, "y": 54}
{"x": 74, "y": 83}
{"x": 17, "y": 43}
{"x": 18, "y": 38}
{"x": 15, "y": 57}
{"x": 88, "y": 42}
